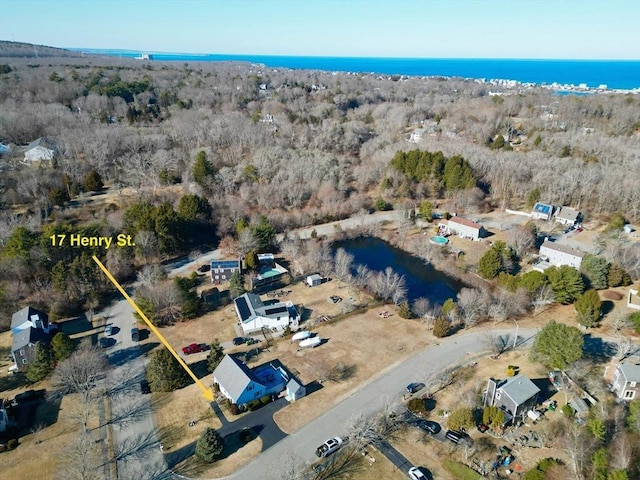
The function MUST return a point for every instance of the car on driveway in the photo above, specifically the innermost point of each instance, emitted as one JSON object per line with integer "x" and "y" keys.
{"x": 239, "y": 341}
{"x": 104, "y": 342}
{"x": 195, "y": 348}
{"x": 482, "y": 428}
{"x": 204, "y": 268}
{"x": 416, "y": 474}
{"x": 427, "y": 425}
{"x": 329, "y": 447}
{"x": 414, "y": 387}
{"x": 108, "y": 330}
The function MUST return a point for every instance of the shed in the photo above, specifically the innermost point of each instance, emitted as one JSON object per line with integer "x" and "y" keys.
{"x": 295, "y": 390}
{"x": 314, "y": 280}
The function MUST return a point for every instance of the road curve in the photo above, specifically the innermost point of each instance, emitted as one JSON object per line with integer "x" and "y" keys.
{"x": 390, "y": 385}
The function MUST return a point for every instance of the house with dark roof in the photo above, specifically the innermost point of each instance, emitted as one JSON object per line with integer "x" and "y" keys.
{"x": 542, "y": 211}
{"x": 626, "y": 380}
{"x": 463, "y": 227}
{"x": 515, "y": 396}
{"x": 221, "y": 270}
{"x": 28, "y": 326}
{"x": 568, "y": 216}
{"x": 241, "y": 384}
{"x": 557, "y": 254}
{"x": 254, "y": 315}
{"x": 41, "y": 149}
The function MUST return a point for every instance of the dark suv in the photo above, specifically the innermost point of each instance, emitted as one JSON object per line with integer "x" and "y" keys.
{"x": 144, "y": 387}
{"x": 135, "y": 334}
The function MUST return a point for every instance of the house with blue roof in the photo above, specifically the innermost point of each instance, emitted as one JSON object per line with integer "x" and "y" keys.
{"x": 542, "y": 211}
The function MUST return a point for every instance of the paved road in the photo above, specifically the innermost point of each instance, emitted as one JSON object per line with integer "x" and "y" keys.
{"x": 390, "y": 385}
{"x": 136, "y": 441}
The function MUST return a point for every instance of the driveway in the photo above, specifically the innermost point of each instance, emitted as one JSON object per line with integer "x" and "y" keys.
{"x": 300, "y": 446}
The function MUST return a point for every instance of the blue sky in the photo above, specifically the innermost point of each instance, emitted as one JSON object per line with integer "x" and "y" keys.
{"x": 576, "y": 29}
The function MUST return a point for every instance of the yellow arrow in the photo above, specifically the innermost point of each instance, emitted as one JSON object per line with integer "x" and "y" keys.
{"x": 206, "y": 392}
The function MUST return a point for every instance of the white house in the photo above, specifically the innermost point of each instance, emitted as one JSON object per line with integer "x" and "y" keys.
{"x": 462, "y": 227}
{"x": 313, "y": 280}
{"x": 253, "y": 314}
{"x": 40, "y": 150}
{"x": 417, "y": 135}
{"x": 568, "y": 216}
{"x": 626, "y": 381}
{"x": 558, "y": 255}
{"x": 542, "y": 211}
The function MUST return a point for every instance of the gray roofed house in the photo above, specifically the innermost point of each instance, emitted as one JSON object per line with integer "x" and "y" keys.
{"x": 254, "y": 314}
{"x": 40, "y": 149}
{"x": 568, "y": 216}
{"x": 516, "y": 395}
{"x": 558, "y": 254}
{"x": 28, "y": 326}
{"x": 241, "y": 385}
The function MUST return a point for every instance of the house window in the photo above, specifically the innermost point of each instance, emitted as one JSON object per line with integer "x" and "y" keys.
{"x": 629, "y": 394}
{"x": 250, "y": 387}
{"x": 24, "y": 361}
{"x": 217, "y": 278}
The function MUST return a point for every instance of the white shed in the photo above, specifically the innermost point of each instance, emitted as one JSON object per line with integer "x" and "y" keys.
{"x": 314, "y": 280}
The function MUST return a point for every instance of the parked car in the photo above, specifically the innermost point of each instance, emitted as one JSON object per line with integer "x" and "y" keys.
{"x": 329, "y": 447}
{"x": 482, "y": 428}
{"x": 427, "y": 426}
{"x": 108, "y": 330}
{"x": 135, "y": 334}
{"x": 104, "y": 342}
{"x": 416, "y": 474}
{"x": 414, "y": 387}
{"x": 195, "y": 348}
{"x": 145, "y": 387}
{"x": 239, "y": 340}
{"x": 204, "y": 268}
{"x": 454, "y": 436}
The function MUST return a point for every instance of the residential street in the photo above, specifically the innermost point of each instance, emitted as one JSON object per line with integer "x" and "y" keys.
{"x": 390, "y": 385}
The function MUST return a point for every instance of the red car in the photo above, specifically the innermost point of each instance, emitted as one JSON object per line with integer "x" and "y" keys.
{"x": 195, "y": 348}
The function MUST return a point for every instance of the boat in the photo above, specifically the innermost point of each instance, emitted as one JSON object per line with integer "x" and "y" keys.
{"x": 310, "y": 342}
{"x": 304, "y": 334}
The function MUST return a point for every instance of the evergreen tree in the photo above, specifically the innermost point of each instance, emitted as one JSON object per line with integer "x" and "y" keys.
{"x": 599, "y": 464}
{"x": 251, "y": 261}
{"x": 426, "y": 210}
{"x": 164, "y": 372}
{"x": 194, "y": 208}
{"x": 42, "y": 364}
{"x": 265, "y": 233}
{"x": 93, "y": 182}
{"x": 596, "y": 270}
{"x": 618, "y": 277}
{"x": 209, "y": 446}
{"x": 190, "y": 302}
{"x": 588, "y": 308}
{"x": 532, "y": 281}
{"x": 441, "y": 327}
{"x": 557, "y": 346}
{"x": 566, "y": 283}
{"x": 404, "y": 311}
{"x": 62, "y": 346}
{"x": 618, "y": 475}
{"x": 533, "y": 197}
{"x": 202, "y": 171}
{"x": 490, "y": 264}
{"x": 216, "y": 354}
{"x": 461, "y": 418}
{"x": 236, "y": 285}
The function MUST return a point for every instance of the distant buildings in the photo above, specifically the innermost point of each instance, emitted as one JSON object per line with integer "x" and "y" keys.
{"x": 462, "y": 227}
{"x": 42, "y": 149}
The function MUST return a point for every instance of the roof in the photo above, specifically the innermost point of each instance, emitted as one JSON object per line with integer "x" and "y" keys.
{"x": 561, "y": 248}
{"x": 315, "y": 276}
{"x": 631, "y": 371}
{"x": 227, "y": 264}
{"x": 42, "y": 142}
{"x": 234, "y": 376}
{"x": 519, "y": 389}
{"x": 543, "y": 208}
{"x": 249, "y": 305}
{"x": 24, "y": 337}
{"x": 464, "y": 221}
{"x": 568, "y": 213}
{"x": 24, "y": 315}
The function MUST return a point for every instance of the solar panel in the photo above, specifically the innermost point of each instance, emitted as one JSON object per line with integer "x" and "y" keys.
{"x": 225, "y": 264}
{"x": 274, "y": 311}
{"x": 243, "y": 308}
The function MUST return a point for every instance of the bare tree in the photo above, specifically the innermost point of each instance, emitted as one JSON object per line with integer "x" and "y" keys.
{"x": 521, "y": 239}
{"x": 342, "y": 263}
{"x": 498, "y": 344}
{"x": 81, "y": 459}
{"x": 247, "y": 241}
{"x": 78, "y": 373}
{"x": 472, "y": 304}
{"x": 389, "y": 285}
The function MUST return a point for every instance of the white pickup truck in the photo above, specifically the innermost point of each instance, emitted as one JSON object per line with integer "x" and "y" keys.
{"x": 328, "y": 447}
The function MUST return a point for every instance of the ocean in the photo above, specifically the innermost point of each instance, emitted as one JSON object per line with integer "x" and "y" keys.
{"x": 616, "y": 74}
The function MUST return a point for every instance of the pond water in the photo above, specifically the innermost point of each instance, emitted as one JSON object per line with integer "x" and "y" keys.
{"x": 422, "y": 280}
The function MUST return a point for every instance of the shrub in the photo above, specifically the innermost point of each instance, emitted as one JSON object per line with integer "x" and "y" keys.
{"x": 404, "y": 311}
{"x": 382, "y": 205}
{"x": 417, "y": 406}
{"x": 460, "y": 471}
{"x": 461, "y": 419}
{"x": 266, "y": 399}
{"x": 567, "y": 410}
{"x": 12, "y": 443}
{"x": 234, "y": 409}
{"x": 440, "y": 327}
{"x": 539, "y": 472}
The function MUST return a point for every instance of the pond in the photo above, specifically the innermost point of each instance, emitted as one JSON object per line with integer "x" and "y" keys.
{"x": 422, "y": 280}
